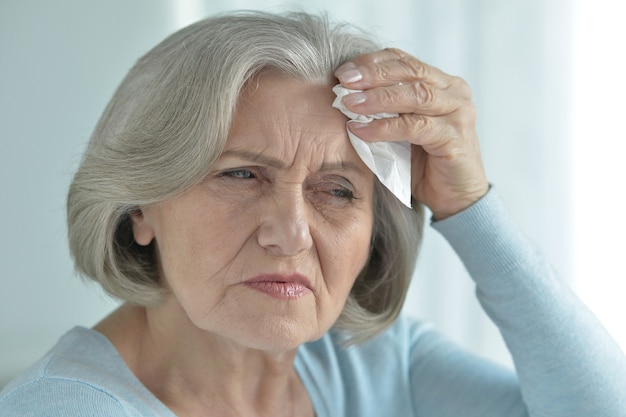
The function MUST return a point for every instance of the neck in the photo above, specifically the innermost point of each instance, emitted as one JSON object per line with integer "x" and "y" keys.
{"x": 191, "y": 370}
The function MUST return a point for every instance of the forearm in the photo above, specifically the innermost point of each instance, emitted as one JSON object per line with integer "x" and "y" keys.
{"x": 566, "y": 362}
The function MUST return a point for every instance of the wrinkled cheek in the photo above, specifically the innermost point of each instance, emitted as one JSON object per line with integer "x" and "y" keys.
{"x": 198, "y": 300}
{"x": 342, "y": 281}
{"x": 349, "y": 253}
{"x": 186, "y": 276}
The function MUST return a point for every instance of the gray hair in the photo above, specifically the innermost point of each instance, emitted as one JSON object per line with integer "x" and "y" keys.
{"x": 167, "y": 124}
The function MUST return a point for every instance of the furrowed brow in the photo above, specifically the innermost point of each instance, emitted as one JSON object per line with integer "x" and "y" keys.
{"x": 278, "y": 163}
{"x": 341, "y": 166}
{"x": 256, "y": 157}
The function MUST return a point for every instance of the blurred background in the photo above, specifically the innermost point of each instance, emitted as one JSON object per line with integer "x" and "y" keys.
{"x": 548, "y": 81}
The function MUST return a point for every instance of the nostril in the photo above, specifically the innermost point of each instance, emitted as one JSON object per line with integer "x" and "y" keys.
{"x": 285, "y": 233}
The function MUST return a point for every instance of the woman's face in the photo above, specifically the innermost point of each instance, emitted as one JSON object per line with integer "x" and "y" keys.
{"x": 265, "y": 250}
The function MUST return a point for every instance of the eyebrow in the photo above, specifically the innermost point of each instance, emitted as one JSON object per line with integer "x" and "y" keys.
{"x": 279, "y": 163}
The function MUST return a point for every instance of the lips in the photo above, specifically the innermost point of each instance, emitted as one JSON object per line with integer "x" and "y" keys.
{"x": 282, "y": 287}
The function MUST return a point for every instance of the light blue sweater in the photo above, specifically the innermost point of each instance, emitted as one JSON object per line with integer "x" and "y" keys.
{"x": 567, "y": 365}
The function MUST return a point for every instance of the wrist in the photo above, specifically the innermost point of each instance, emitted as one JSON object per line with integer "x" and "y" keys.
{"x": 458, "y": 204}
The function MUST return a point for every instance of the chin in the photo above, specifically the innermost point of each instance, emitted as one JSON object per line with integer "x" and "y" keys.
{"x": 278, "y": 336}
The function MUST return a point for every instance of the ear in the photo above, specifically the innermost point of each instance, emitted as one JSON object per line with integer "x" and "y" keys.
{"x": 142, "y": 231}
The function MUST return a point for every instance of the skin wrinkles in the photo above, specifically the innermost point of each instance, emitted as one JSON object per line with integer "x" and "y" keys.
{"x": 276, "y": 202}
{"x": 279, "y": 163}
{"x": 281, "y": 209}
{"x": 286, "y": 164}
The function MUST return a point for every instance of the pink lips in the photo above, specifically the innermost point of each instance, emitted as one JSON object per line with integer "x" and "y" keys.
{"x": 284, "y": 287}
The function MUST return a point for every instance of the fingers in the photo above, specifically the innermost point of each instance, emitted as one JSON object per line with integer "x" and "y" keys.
{"x": 440, "y": 136}
{"x": 416, "y": 97}
{"x": 388, "y": 67}
{"x": 436, "y": 115}
{"x": 395, "y": 82}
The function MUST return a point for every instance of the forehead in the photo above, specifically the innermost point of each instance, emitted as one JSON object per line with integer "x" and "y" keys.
{"x": 287, "y": 117}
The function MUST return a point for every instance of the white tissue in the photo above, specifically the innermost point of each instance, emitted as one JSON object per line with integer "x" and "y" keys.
{"x": 389, "y": 161}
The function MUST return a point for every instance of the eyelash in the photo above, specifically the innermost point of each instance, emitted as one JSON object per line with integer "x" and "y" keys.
{"x": 237, "y": 173}
{"x": 247, "y": 174}
{"x": 343, "y": 193}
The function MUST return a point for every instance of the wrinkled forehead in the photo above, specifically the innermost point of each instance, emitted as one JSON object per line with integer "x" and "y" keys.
{"x": 292, "y": 120}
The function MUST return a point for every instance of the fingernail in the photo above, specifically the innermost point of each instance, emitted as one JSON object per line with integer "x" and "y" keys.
{"x": 350, "y": 76}
{"x": 354, "y": 98}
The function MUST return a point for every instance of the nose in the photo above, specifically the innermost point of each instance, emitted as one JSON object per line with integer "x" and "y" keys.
{"x": 284, "y": 227}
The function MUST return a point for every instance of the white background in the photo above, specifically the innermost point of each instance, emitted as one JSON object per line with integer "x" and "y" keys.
{"x": 547, "y": 81}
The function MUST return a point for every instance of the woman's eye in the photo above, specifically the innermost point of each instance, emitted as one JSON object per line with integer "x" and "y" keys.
{"x": 238, "y": 173}
{"x": 342, "y": 193}
{"x": 335, "y": 189}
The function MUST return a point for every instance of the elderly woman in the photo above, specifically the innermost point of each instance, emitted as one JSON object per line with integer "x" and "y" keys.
{"x": 263, "y": 263}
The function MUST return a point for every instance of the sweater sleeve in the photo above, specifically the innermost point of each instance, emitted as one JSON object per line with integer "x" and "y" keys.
{"x": 567, "y": 364}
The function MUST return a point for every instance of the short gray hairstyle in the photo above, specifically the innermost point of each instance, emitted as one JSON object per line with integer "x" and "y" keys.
{"x": 167, "y": 124}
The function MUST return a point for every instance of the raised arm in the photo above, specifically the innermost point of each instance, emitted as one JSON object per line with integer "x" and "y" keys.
{"x": 566, "y": 363}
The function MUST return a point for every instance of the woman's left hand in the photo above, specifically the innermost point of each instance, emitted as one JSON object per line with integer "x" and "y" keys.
{"x": 437, "y": 116}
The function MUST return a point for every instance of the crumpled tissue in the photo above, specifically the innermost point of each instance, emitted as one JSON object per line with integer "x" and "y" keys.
{"x": 389, "y": 161}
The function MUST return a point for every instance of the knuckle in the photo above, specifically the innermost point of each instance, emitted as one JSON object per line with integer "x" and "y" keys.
{"x": 411, "y": 65}
{"x": 418, "y": 125}
{"x": 381, "y": 72}
{"x": 386, "y": 97}
{"x": 462, "y": 87}
{"x": 419, "y": 70}
{"x": 423, "y": 94}
{"x": 397, "y": 52}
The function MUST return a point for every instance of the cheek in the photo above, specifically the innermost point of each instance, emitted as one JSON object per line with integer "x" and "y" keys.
{"x": 200, "y": 227}
{"x": 196, "y": 268}
{"x": 195, "y": 249}
{"x": 343, "y": 254}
